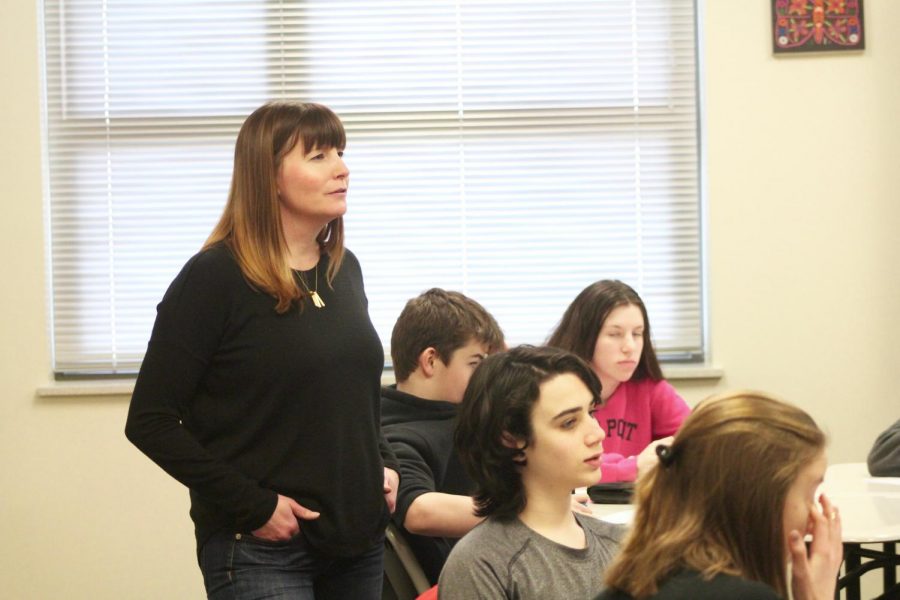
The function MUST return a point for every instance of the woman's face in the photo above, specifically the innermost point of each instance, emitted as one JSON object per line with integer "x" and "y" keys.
{"x": 619, "y": 345}
{"x": 313, "y": 185}
{"x": 801, "y": 497}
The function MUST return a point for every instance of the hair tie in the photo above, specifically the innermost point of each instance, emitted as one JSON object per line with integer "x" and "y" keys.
{"x": 665, "y": 454}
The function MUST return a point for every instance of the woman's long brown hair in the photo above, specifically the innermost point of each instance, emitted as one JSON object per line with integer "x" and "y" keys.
{"x": 251, "y": 222}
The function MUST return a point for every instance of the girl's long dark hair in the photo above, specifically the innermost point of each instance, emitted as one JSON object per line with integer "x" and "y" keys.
{"x": 580, "y": 325}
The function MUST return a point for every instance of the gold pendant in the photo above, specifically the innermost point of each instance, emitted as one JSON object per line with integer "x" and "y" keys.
{"x": 317, "y": 300}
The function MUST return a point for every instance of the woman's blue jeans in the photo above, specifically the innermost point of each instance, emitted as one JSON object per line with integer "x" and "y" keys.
{"x": 243, "y": 567}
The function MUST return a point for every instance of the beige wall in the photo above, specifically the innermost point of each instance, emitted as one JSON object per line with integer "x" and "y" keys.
{"x": 803, "y": 170}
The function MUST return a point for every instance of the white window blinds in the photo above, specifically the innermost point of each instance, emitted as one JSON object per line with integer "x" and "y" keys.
{"x": 512, "y": 150}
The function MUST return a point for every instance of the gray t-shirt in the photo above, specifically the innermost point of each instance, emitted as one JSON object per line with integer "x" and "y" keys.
{"x": 506, "y": 559}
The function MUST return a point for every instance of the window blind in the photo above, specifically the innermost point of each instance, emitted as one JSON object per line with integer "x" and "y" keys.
{"x": 512, "y": 150}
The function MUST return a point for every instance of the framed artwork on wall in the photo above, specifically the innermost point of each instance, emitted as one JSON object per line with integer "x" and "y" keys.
{"x": 817, "y": 25}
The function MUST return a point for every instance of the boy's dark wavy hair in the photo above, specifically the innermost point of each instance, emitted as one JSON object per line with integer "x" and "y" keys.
{"x": 496, "y": 410}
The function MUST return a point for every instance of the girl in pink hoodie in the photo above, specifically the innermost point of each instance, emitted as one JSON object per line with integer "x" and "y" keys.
{"x": 607, "y": 325}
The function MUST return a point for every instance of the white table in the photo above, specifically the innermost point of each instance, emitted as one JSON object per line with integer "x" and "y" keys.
{"x": 614, "y": 513}
{"x": 870, "y": 514}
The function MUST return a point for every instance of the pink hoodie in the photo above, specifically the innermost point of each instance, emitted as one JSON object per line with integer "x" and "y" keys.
{"x": 637, "y": 413}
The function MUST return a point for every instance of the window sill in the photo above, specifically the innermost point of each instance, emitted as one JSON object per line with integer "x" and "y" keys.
{"x": 90, "y": 387}
{"x": 117, "y": 387}
{"x": 692, "y": 372}
{"x": 124, "y": 387}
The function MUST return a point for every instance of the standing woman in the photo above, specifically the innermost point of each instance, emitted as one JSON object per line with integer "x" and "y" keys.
{"x": 607, "y": 326}
{"x": 728, "y": 507}
{"x": 260, "y": 387}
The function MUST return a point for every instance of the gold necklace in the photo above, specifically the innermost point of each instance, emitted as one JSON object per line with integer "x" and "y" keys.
{"x": 313, "y": 293}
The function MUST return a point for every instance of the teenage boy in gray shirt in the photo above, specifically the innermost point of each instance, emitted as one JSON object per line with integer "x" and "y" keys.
{"x": 527, "y": 436}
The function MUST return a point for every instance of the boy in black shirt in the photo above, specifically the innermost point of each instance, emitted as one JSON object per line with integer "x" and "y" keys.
{"x": 438, "y": 341}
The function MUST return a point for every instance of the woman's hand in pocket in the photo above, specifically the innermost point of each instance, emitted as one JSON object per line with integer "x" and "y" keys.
{"x": 285, "y": 520}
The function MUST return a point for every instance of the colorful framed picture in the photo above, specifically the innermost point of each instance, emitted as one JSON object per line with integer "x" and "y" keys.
{"x": 817, "y": 25}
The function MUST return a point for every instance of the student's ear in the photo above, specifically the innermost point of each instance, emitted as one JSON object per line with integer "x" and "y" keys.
{"x": 426, "y": 361}
{"x": 510, "y": 441}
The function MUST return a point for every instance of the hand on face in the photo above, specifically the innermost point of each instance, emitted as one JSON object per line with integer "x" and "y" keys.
{"x": 814, "y": 572}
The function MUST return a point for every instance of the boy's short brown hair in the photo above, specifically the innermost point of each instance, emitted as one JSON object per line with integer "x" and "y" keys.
{"x": 445, "y": 321}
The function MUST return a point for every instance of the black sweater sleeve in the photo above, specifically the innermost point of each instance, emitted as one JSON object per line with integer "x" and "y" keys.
{"x": 387, "y": 454}
{"x": 189, "y": 324}
{"x": 416, "y": 474}
{"x": 884, "y": 457}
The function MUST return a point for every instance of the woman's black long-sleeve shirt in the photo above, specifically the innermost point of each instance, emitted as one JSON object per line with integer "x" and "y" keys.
{"x": 239, "y": 403}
